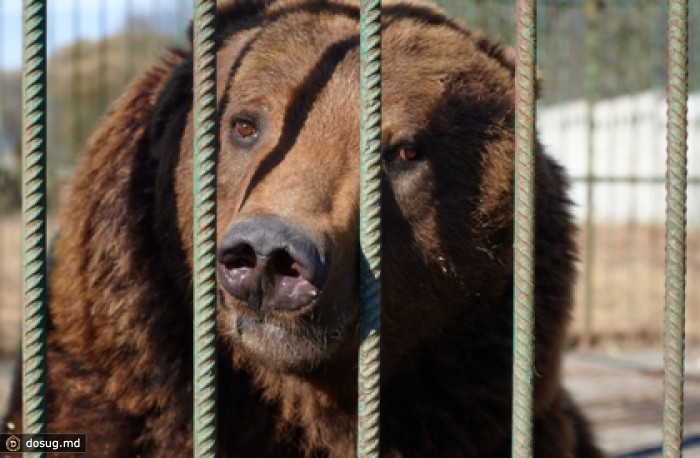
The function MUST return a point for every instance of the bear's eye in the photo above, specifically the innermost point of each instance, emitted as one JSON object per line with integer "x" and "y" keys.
{"x": 405, "y": 152}
{"x": 244, "y": 132}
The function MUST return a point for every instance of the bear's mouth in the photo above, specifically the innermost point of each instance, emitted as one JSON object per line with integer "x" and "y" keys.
{"x": 244, "y": 322}
{"x": 284, "y": 341}
{"x": 286, "y": 293}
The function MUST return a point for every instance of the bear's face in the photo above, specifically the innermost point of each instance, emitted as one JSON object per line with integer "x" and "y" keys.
{"x": 288, "y": 182}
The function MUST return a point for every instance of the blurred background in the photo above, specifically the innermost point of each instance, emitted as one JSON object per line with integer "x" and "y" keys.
{"x": 601, "y": 113}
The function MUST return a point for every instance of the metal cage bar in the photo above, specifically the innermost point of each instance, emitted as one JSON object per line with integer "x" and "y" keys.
{"x": 523, "y": 242}
{"x": 370, "y": 229}
{"x": 34, "y": 216}
{"x": 676, "y": 222}
{"x": 591, "y": 71}
{"x": 204, "y": 227}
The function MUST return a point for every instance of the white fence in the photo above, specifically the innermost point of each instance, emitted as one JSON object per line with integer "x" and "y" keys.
{"x": 629, "y": 140}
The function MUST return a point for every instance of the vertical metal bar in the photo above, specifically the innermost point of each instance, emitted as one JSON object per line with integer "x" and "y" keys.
{"x": 370, "y": 229}
{"x": 204, "y": 188}
{"x": 591, "y": 72}
{"x": 129, "y": 45}
{"x": 34, "y": 216}
{"x": 523, "y": 294}
{"x": 76, "y": 70}
{"x": 150, "y": 24}
{"x": 102, "y": 63}
{"x": 553, "y": 51}
{"x": 676, "y": 220}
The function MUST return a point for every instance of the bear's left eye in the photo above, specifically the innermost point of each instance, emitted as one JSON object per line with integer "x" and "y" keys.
{"x": 405, "y": 152}
{"x": 244, "y": 132}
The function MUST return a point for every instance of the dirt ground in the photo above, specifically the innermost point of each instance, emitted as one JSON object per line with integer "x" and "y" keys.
{"x": 621, "y": 391}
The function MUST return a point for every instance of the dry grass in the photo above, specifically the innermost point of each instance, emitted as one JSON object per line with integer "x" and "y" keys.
{"x": 627, "y": 284}
{"x": 10, "y": 281}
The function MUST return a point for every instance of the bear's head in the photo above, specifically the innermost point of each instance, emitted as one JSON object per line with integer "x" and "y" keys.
{"x": 288, "y": 181}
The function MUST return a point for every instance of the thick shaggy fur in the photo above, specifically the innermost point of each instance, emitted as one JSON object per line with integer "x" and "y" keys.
{"x": 120, "y": 309}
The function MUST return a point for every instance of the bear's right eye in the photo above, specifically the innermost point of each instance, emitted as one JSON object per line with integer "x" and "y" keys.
{"x": 403, "y": 154}
{"x": 244, "y": 132}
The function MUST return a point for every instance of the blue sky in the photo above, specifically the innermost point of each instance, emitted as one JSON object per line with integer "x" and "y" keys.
{"x": 92, "y": 19}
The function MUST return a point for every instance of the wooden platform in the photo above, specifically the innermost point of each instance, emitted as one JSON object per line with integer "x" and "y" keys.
{"x": 622, "y": 393}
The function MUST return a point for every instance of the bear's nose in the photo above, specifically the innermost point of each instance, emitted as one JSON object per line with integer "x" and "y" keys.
{"x": 271, "y": 265}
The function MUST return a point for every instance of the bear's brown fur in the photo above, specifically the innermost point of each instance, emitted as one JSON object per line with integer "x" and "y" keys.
{"x": 120, "y": 310}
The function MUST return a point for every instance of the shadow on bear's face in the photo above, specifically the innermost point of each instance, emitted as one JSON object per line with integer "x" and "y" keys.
{"x": 288, "y": 186}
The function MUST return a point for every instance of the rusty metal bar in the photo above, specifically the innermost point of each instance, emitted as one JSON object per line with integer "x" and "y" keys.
{"x": 676, "y": 226}
{"x": 523, "y": 262}
{"x": 591, "y": 69}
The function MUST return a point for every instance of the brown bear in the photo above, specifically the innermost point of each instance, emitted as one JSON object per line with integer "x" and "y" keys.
{"x": 120, "y": 351}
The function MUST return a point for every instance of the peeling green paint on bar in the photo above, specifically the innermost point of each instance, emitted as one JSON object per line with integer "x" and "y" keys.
{"x": 34, "y": 217}
{"x": 676, "y": 227}
{"x": 523, "y": 242}
{"x": 370, "y": 226}
{"x": 204, "y": 188}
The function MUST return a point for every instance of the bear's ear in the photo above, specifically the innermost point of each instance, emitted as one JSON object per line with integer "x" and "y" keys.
{"x": 228, "y": 11}
{"x": 505, "y": 55}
